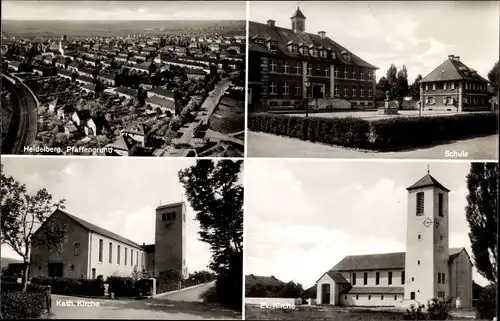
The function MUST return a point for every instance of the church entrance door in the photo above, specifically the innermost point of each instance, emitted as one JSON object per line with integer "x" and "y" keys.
{"x": 325, "y": 294}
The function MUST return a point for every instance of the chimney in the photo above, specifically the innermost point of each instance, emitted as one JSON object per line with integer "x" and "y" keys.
{"x": 322, "y": 34}
{"x": 272, "y": 277}
{"x": 451, "y": 57}
{"x": 271, "y": 23}
{"x": 457, "y": 58}
{"x": 143, "y": 244}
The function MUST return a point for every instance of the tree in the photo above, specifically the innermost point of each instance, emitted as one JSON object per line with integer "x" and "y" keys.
{"x": 136, "y": 274}
{"x": 22, "y": 214}
{"x": 381, "y": 88}
{"x": 213, "y": 190}
{"x": 415, "y": 88}
{"x": 482, "y": 216}
{"x": 494, "y": 76}
{"x": 402, "y": 89}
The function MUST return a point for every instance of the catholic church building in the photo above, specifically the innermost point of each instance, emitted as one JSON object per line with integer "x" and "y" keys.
{"x": 290, "y": 65}
{"x": 428, "y": 269}
{"x": 90, "y": 250}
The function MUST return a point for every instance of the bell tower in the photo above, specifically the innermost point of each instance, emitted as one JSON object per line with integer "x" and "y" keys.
{"x": 298, "y": 21}
{"x": 170, "y": 238}
{"x": 426, "y": 261}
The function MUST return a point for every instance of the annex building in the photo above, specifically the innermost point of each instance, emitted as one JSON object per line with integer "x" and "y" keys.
{"x": 90, "y": 251}
{"x": 286, "y": 65}
{"x": 453, "y": 86}
{"x": 428, "y": 269}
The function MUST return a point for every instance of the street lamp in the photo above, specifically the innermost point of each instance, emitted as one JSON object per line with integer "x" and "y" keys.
{"x": 307, "y": 82}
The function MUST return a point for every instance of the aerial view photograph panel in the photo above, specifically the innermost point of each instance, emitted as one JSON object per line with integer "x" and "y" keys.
{"x": 123, "y": 78}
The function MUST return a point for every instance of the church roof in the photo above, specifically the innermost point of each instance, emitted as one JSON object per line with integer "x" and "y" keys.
{"x": 99, "y": 230}
{"x": 336, "y": 276}
{"x": 383, "y": 261}
{"x": 427, "y": 181}
{"x": 298, "y": 14}
{"x": 170, "y": 205}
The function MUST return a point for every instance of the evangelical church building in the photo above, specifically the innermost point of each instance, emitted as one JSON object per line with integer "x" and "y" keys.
{"x": 428, "y": 269}
{"x": 90, "y": 251}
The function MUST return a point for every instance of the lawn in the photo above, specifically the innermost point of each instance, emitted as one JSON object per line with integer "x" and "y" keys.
{"x": 303, "y": 313}
{"x": 228, "y": 118}
{"x": 374, "y": 115}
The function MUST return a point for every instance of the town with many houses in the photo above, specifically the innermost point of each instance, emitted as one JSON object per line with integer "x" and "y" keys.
{"x": 136, "y": 95}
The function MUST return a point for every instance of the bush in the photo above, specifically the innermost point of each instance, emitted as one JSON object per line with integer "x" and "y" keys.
{"x": 23, "y": 305}
{"x": 436, "y": 310}
{"x": 122, "y": 286}
{"x": 168, "y": 281}
{"x": 383, "y": 135}
{"x": 9, "y": 286}
{"x": 68, "y": 286}
{"x": 486, "y": 304}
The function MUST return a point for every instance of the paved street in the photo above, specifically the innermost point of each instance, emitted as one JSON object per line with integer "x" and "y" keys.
{"x": 191, "y": 294}
{"x": 67, "y": 307}
{"x": 267, "y": 145}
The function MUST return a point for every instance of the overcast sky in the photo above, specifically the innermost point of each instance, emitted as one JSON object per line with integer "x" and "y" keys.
{"x": 120, "y": 195}
{"x": 123, "y": 10}
{"x": 303, "y": 217}
{"x": 419, "y": 35}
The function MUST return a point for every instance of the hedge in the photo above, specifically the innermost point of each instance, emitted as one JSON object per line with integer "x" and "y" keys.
{"x": 23, "y": 305}
{"x": 68, "y": 286}
{"x": 122, "y": 286}
{"x": 380, "y": 135}
{"x": 16, "y": 304}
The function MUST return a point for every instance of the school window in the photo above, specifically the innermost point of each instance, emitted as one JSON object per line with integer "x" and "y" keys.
{"x": 337, "y": 90}
{"x": 433, "y": 86}
{"x": 418, "y": 262}
{"x": 365, "y": 278}
{"x": 439, "y": 277}
{"x": 426, "y": 87}
{"x": 274, "y": 65}
{"x": 419, "y": 237}
{"x": 309, "y": 70}
{"x": 298, "y": 89}
{"x": 412, "y": 296}
{"x": 285, "y": 67}
{"x": 322, "y": 53}
{"x": 336, "y": 72}
{"x": 273, "y": 88}
{"x": 327, "y": 71}
{"x": 100, "y": 250}
{"x": 395, "y": 297}
{"x": 273, "y": 45}
{"x": 318, "y": 69}
{"x": 369, "y": 93}
{"x": 369, "y": 297}
{"x": 345, "y": 73}
{"x": 345, "y": 297}
{"x": 412, "y": 279}
{"x": 381, "y": 297}
{"x": 377, "y": 278}
{"x": 353, "y": 74}
{"x": 369, "y": 76}
{"x": 441, "y": 204}
{"x": 298, "y": 68}
{"x": 346, "y": 90}
{"x": 361, "y": 92}
{"x": 361, "y": 76}
{"x": 294, "y": 48}
{"x": 420, "y": 203}
{"x": 118, "y": 254}
{"x": 442, "y": 278}
{"x": 390, "y": 278}
{"x": 452, "y": 85}
{"x": 286, "y": 88}
{"x": 354, "y": 279}
{"x": 110, "y": 252}
{"x": 444, "y": 86}
{"x": 402, "y": 277}
{"x": 357, "y": 297}
{"x": 353, "y": 91}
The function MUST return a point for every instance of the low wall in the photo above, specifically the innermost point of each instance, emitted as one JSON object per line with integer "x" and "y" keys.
{"x": 331, "y": 103}
{"x": 271, "y": 301}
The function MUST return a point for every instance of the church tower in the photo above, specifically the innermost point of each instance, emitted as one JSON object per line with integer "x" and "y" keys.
{"x": 298, "y": 21}
{"x": 426, "y": 262}
{"x": 170, "y": 238}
